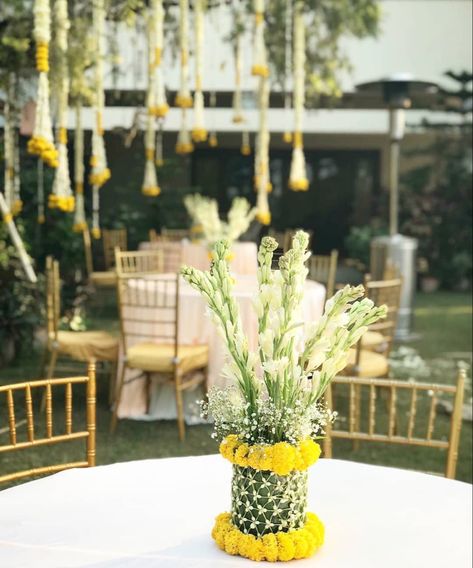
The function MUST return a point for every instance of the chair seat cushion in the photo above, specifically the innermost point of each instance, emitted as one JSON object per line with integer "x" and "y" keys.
{"x": 371, "y": 365}
{"x": 373, "y": 340}
{"x": 86, "y": 345}
{"x": 160, "y": 357}
{"x": 105, "y": 279}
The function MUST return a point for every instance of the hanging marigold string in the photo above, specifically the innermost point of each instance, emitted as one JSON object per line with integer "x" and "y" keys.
{"x": 287, "y": 136}
{"x": 80, "y": 223}
{"x": 260, "y": 65}
{"x": 42, "y": 144}
{"x": 61, "y": 197}
{"x": 298, "y": 178}
{"x": 263, "y": 183}
{"x": 150, "y": 185}
{"x": 100, "y": 172}
{"x": 199, "y": 132}
{"x": 184, "y": 97}
{"x": 156, "y": 103}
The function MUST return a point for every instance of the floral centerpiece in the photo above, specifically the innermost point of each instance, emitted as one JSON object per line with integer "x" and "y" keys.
{"x": 268, "y": 420}
{"x": 204, "y": 214}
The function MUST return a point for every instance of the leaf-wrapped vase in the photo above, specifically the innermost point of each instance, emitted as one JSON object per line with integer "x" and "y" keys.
{"x": 268, "y": 519}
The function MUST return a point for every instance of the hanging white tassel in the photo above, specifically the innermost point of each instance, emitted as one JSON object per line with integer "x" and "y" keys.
{"x": 199, "y": 132}
{"x": 159, "y": 107}
{"x": 80, "y": 223}
{"x": 260, "y": 64}
{"x": 298, "y": 178}
{"x": 159, "y": 157}
{"x": 245, "y": 147}
{"x": 184, "y": 140}
{"x": 42, "y": 143}
{"x": 184, "y": 97}
{"x": 263, "y": 184}
{"x": 150, "y": 182}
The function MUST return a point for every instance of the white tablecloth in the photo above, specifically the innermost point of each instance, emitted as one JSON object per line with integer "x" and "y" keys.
{"x": 159, "y": 514}
{"x": 195, "y": 327}
{"x": 244, "y": 259}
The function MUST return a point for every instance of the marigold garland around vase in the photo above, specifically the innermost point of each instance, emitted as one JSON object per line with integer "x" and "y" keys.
{"x": 269, "y": 418}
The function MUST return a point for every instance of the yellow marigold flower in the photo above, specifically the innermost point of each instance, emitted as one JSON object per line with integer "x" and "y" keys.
{"x": 241, "y": 455}
{"x": 283, "y": 458}
{"x": 270, "y": 544}
{"x": 310, "y": 452}
{"x": 286, "y": 546}
{"x": 260, "y": 457}
{"x": 232, "y": 541}
{"x": 301, "y": 546}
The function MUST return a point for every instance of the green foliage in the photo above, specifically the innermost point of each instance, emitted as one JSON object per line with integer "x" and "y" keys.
{"x": 436, "y": 207}
{"x": 20, "y": 300}
{"x": 359, "y": 240}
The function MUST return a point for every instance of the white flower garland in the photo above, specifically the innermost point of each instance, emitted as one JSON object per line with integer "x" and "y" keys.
{"x": 260, "y": 64}
{"x": 184, "y": 143}
{"x": 262, "y": 178}
{"x": 199, "y": 132}
{"x": 100, "y": 172}
{"x": 287, "y": 136}
{"x": 237, "y": 102}
{"x": 184, "y": 97}
{"x": 298, "y": 178}
{"x": 80, "y": 223}
{"x": 61, "y": 196}
{"x": 160, "y": 107}
{"x": 150, "y": 185}
{"x": 42, "y": 143}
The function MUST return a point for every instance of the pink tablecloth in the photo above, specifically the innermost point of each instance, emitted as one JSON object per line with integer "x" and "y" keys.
{"x": 197, "y": 255}
{"x": 195, "y": 327}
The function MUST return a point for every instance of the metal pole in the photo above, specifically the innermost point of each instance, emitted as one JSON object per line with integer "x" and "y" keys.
{"x": 396, "y": 133}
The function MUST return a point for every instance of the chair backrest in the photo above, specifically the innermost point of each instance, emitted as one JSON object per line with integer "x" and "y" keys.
{"x": 112, "y": 238}
{"x": 387, "y": 292}
{"x": 20, "y": 398}
{"x": 139, "y": 262}
{"x": 89, "y": 263}
{"x": 170, "y": 235}
{"x": 153, "y": 236}
{"x": 414, "y": 425}
{"x": 323, "y": 268}
{"x": 53, "y": 298}
{"x": 149, "y": 309}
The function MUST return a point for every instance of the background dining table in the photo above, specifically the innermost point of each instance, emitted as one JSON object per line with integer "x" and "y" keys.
{"x": 196, "y": 327}
{"x": 159, "y": 514}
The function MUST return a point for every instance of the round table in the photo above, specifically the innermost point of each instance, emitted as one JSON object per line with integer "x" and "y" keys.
{"x": 197, "y": 328}
{"x": 244, "y": 259}
{"x": 159, "y": 514}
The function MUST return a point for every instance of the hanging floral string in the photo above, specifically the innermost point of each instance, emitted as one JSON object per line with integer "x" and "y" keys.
{"x": 61, "y": 196}
{"x": 41, "y": 217}
{"x": 245, "y": 147}
{"x": 100, "y": 172}
{"x": 159, "y": 156}
{"x": 260, "y": 65}
{"x": 199, "y": 132}
{"x": 80, "y": 223}
{"x": 184, "y": 143}
{"x": 42, "y": 144}
{"x": 263, "y": 184}
{"x": 213, "y": 140}
{"x": 237, "y": 102}
{"x": 184, "y": 97}
{"x": 287, "y": 136}
{"x": 150, "y": 185}
{"x": 157, "y": 104}
{"x": 298, "y": 178}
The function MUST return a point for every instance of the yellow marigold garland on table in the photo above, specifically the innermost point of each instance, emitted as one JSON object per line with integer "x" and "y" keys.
{"x": 282, "y": 546}
{"x": 184, "y": 97}
{"x": 281, "y": 458}
{"x": 298, "y": 178}
{"x": 61, "y": 196}
{"x": 199, "y": 132}
{"x": 80, "y": 223}
{"x": 42, "y": 144}
{"x": 260, "y": 65}
{"x": 100, "y": 172}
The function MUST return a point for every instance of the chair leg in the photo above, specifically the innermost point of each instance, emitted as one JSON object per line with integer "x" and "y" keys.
{"x": 113, "y": 423}
{"x": 180, "y": 409}
{"x": 356, "y": 443}
{"x": 112, "y": 383}
{"x": 148, "y": 392}
{"x": 49, "y": 375}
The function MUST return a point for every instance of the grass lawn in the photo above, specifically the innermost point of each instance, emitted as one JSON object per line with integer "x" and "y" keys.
{"x": 443, "y": 322}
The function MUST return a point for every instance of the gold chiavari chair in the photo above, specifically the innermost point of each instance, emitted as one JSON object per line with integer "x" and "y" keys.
{"x": 77, "y": 345}
{"x": 48, "y": 432}
{"x": 101, "y": 279}
{"x": 418, "y": 427}
{"x": 323, "y": 268}
{"x": 149, "y": 318}
{"x": 153, "y": 236}
{"x": 112, "y": 238}
{"x": 370, "y": 358}
{"x": 172, "y": 254}
{"x": 173, "y": 235}
{"x": 142, "y": 262}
